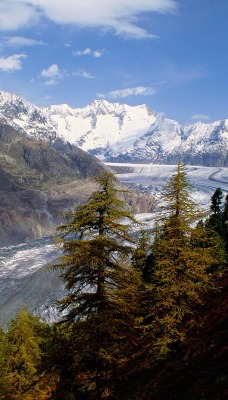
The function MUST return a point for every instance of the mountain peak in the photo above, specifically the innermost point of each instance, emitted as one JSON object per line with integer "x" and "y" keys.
{"x": 115, "y": 131}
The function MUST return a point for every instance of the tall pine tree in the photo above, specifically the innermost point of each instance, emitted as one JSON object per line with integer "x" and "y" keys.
{"x": 101, "y": 285}
{"x": 181, "y": 265}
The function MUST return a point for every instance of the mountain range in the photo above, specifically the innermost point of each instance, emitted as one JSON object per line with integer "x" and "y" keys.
{"x": 119, "y": 132}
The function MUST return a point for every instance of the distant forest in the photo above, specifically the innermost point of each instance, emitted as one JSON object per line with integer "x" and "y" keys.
{"x": 144, "y": 316}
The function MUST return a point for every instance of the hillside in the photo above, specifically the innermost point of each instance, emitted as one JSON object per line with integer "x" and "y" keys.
{"x": 41, "y": 181}
{"x": 38, "y": 183}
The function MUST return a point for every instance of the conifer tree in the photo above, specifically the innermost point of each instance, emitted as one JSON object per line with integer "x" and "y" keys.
{"x": 101, "y": 284}
{"x": 216, "y": 223}
{"x": 215, "y": 219}
{"x": 181, "y": 266}
{"x": 23, "y": 357}
{"x": 3, "y": 361}
{"x": 225, "y": 225}
{"x": 142, "y": 257}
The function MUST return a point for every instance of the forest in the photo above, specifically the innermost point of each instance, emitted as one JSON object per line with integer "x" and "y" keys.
{"x": 144, "y": 315}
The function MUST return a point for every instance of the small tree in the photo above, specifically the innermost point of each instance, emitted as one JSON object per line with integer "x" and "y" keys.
{"x": 216, "y": 224}
{"x": 215, "y": 219}
{"x": 22, "y": 379}
{"x": 101, "y": 284}
{"x": 225, "y": 225}
{"x": 3, "y": 362}
{"x": 142, "y": 256}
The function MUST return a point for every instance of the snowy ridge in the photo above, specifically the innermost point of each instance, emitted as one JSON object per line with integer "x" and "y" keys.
{"x": 119, "y": 132}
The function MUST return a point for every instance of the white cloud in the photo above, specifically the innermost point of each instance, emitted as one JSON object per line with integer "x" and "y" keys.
{"x": 98, "y": 53}
{"x": 53, "y": 75}
{"x": 17, "y": 14}
{"x": 11, "y": 63}
{"x": 120, "y": 16}
{"x": 83, "y": 74}
{"x": 86, "y": 52}
{"x": 52, "y": 72}
{"x": 22, "y": 41}
{"x": 51, "y": 82}
{"x": 135, "y": 91}
{"x": 130, "y": 30}
{"x": 200, "y": 117}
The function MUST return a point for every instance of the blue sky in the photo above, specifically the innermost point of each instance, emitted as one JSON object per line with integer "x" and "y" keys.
{"x": 169, "y": 54}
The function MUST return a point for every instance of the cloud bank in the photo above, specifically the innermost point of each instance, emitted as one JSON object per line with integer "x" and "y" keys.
{"x": 120, "y": 16}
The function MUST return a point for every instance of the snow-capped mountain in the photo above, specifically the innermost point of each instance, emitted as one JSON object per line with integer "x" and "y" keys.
{"x": 119, "y": 132}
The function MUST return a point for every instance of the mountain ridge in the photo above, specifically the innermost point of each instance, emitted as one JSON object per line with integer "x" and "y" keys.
{"x": 119, "y": 132}
{"x": 39, "y": 183}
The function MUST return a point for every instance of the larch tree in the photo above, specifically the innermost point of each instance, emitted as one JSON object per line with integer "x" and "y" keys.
{"x": 3, "y": 361}
{"x": 101, "y": 285}
{"x": 180, "y": 274}
{"x": 23, "y": 353}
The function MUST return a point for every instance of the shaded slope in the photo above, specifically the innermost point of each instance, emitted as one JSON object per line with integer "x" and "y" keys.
{"x": 38, "y": 183}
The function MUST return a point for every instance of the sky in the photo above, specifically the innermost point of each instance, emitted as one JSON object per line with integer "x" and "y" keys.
{"x": 171, "y": 55}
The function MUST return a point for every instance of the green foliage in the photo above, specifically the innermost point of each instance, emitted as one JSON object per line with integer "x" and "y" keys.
{"x": 129, "y": 302}
{"x": 225, "y": 224}
{"x": 142, "y": 257}
{"x": 183, "y": 255}
{"x": 217, "y": 222}
{"x": 214, "y": 222}
{"x": 101, "y": 302}
{"x": 216, "y": 201}
{"x": 21, "y": 359}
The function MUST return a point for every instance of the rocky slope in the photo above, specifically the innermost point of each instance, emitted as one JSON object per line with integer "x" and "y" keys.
{"x": 41, "y": 181}
{"x": 38, "y": 183}
{"x": 118, "y": 132}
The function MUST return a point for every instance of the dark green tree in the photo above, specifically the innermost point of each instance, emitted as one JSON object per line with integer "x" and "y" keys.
{"x": 181, "y": 265}
{"x": 214, "y": 221}
{"x": 142, "y": 257}
{"x": 216, "y": 201}
{"x": 101, "y": 284}
{"x": 216, "y": 224}
{"x": 225, "y": 225}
